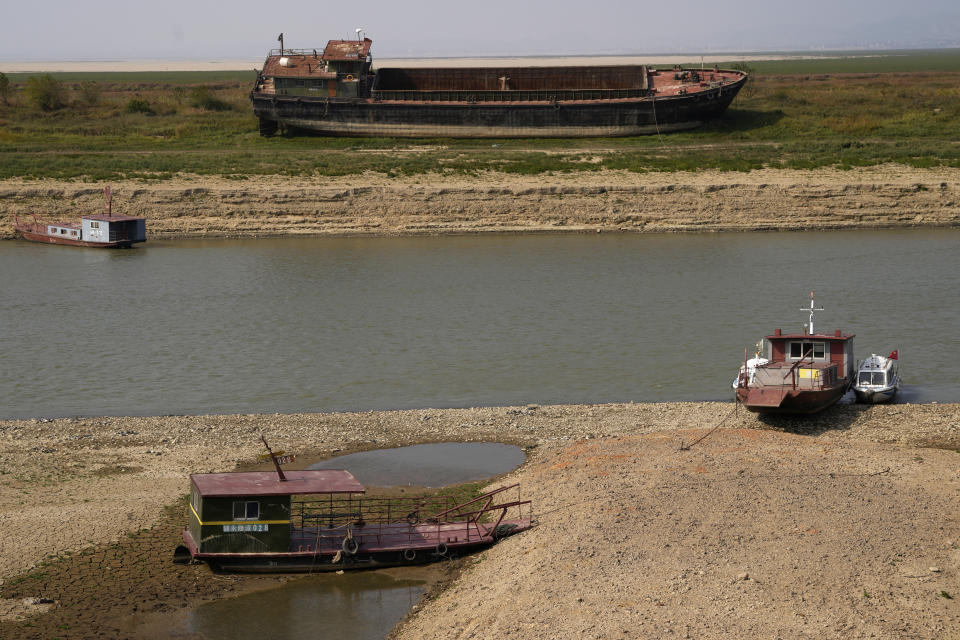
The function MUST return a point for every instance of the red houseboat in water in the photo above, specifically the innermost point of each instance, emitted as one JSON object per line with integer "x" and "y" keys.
{"x": 103, "y": 230}
{"x": 804, "y": 372}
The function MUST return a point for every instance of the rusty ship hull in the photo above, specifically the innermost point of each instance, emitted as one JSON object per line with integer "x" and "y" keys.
{"x": 338, "y": 93}
{"x": 420, "y": 119}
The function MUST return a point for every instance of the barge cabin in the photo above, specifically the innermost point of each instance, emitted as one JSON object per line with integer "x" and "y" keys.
{"x": 319, "y": 520}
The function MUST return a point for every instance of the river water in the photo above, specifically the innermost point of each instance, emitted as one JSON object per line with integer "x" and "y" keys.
{"x": 289, "y": 325}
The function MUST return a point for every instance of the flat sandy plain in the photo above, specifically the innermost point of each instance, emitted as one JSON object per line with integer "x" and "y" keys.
{"x": 843, "y": 525}
{"x": 888, "y": 196}
{"x": 237, "y": 64}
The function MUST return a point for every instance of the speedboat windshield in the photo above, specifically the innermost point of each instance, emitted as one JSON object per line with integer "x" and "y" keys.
{"x": 874, "y": 378}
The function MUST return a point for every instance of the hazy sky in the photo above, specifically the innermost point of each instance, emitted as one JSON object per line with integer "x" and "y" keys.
{"x": 115, "y": 30}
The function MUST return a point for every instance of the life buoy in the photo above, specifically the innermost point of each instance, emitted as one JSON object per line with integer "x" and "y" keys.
{"x": 409, "y": 554}
{"x": 349, "y": 77}
{"x": 413, "y": 518}
{"x": 441, "y": 549}
{"x": 350, "y": 546}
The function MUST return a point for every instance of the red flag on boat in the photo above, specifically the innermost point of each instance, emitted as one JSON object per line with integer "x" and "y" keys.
{"x": 894, "y": 355}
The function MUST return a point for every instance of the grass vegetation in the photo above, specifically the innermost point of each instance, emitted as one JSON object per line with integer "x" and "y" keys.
{"x": 901, "y": 107}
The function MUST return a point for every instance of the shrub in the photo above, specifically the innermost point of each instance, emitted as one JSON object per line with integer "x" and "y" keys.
{"x": 204, "y": 98}
{"x": 89, "y": 93}
{"x": 45, "y": 92}
{"x": 5, "y": 89}
{"x": 139, "y": 105}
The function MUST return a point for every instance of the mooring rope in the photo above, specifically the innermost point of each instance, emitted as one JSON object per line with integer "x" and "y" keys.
{"x": 736, "y": 403}
{"x": 653, "y": 105}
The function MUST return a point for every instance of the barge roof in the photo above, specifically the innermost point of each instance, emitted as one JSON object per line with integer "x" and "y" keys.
{"x": 297, "y": 66}
{"x": 267, "y": 483}
{"x": 347, "y": 50}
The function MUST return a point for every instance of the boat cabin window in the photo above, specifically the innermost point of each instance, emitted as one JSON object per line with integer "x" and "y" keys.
{"x": 94, "y": 225}
{"x": 802, "y": 349}
{"x": 246, "y": 510}
{"x": 871, "y": 377}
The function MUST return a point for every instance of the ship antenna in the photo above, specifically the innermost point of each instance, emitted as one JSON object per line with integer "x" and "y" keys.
{"x": 109, "y": 195}
{"x": 811, "y": 310}
{"x": 283, "y": 478}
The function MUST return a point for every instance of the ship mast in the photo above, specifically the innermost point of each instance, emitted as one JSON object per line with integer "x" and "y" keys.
{"x": 811, "y": 310}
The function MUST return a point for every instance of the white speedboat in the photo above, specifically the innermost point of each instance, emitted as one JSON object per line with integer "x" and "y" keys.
{"x": 878, "y": 378}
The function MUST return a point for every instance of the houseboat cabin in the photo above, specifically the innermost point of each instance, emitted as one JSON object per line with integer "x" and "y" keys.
{"x": 251, "y": 511}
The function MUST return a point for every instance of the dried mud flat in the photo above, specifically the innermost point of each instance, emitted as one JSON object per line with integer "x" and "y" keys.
{"x": 843, "y": 525}
{"x": 607, "y": 201}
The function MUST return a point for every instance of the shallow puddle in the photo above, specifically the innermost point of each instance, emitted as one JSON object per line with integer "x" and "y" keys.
{"x": 357, "y": 606}
{"x": 429, "y": 465}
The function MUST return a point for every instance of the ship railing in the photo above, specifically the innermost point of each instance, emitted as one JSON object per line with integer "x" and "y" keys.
{"x": 37, "y": 226}
{"x": 296, "y": 52}
{"x": 325, "y": 523}
{"x": 508, "y": 96}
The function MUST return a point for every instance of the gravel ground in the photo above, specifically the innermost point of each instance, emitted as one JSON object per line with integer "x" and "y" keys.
{"x": 836, "y": 520}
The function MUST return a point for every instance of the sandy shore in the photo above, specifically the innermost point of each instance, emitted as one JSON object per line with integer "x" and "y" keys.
{"x": 607, "y": 201}
{"x": 635, "y": 533}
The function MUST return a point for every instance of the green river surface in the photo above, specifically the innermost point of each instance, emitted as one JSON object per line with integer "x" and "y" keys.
{"x": 320, "y": 324}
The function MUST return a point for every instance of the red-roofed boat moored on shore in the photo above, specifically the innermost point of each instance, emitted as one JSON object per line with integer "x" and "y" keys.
{"x": 102, "y": 230}
{"x": 804, "y": 372}
{"x": 319, "y": 520}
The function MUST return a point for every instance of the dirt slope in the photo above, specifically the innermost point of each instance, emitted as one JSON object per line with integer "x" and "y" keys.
{"x": 750, "y": 534}
{"x": 889, "y": 196}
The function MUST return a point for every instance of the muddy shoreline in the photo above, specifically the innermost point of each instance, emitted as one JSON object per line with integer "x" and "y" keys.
{"x": 89, "y": 490}
{"x": 605, "y": 201}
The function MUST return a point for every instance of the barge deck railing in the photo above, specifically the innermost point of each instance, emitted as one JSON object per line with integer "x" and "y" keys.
{"x": 325, "y": 525}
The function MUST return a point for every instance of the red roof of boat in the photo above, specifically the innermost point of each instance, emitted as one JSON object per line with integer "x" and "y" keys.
{"x": 811, "y": 336}
{"x": 268, "y": 483}
{"x": 297, "y": 66}
{"x": 105, "y": 217}
{"x": 347, "y": 49}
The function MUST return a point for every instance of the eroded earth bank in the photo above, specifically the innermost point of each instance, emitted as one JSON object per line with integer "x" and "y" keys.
{"x": 876, "y": 197}
{"x": 650, "y": 524}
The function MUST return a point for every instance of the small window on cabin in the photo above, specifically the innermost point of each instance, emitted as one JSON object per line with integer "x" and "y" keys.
{"x": 806, "y": 349}
{"x": 63, "y": 232}
{"x": 246, "y": 510}
{"x": 94, "y": 225}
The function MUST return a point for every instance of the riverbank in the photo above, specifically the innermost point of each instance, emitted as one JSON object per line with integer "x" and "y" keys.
{"x": 70, "y": 485}
{"x": 888, "y": 196}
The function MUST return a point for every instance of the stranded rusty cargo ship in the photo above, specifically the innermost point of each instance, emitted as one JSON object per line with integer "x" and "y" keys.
{"x": 336, "y": 92}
